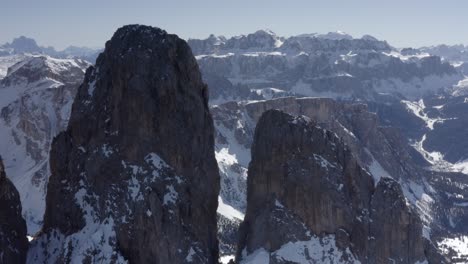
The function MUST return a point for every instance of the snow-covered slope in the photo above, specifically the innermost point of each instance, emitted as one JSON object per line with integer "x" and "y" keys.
{"x": 35, "y": 102}
{"x": 8, "y": 61}
{"x": 315, "y": 250}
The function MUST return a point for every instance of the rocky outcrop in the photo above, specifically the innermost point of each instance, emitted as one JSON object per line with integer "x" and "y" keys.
{"x": 135, "y": 171}
{"x": 381, "y": 136}
{"x": 395, "y": 229}
{"x": 23, "y": 44}
{"x": 13, "y": 241}
{"x": 312, "y": 175}
{"x": 381, "y": 150}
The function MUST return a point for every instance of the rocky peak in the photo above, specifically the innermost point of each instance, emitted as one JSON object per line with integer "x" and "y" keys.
{"x": 136, "y": 164}
{"x": 337, "y": 35}
{"x": 212, "y": 44}
{"x": 13, "y": 241}
{"x": 309, "y": 171}
{"x": 369, "y": 37}
{"x": 379, "y": 149}
{"x": 133, "y": 52}
{"x": 259, "y": 40}
{"x": 216, "y": 40}
{"x": 23, "y": 44}
{"x": 312, "y": 175}
{"x": 263, "y": 33}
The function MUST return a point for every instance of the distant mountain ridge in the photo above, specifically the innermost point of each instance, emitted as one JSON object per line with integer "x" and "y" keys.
{"x": 333, "y": 65}
{"x": 25, "y": 45}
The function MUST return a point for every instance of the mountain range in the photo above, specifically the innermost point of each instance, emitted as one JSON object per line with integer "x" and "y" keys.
{"x": 24, "y": 45}
{"x": 329, "y": 149}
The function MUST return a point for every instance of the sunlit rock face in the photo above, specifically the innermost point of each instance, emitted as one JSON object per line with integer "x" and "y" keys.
{"x": 305, "y": 187}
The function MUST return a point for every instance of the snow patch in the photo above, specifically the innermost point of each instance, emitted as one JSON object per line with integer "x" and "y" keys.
{"x": 417, "y": 108}
{"x": 233, "y": 159}
{"x": 461, "y": 88}
{"x": 324, "y": 163}
{"x": 134, "y": 189}
{"x": 155, "y": 160}
{"x": 376, "y": 170}
{"x": 190, "y": 255}
{"x": 228, "y": 211}
{"x": 91, "y": 88}
{"x": 107, "y": 150}
{"x": 95, "y": 242}
{"x": 258, "y": 256}
{"x": 315, "y": 250}
{"x": 268, "y": 93}
{"x": 170, "y": 196}
{"x": 225, "y": 259}
{"x": 457, "y": 244}
{"x": 417, "y": 196}
{"x": 278, "y": 204}
{"x": 461, "y": 166}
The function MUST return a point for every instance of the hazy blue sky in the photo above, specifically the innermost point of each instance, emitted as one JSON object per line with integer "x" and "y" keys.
{"x": 91, "y": 22}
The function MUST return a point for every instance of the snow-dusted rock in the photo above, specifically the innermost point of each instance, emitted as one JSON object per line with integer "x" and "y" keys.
{"x": 134, "y": 176}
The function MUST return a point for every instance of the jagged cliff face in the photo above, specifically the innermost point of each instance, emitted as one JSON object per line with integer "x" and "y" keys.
{"x": 305, "y": 175}
{"x": 13, "y": 241}
{"x": 135, "y": 170}
{"x": 382, "y": 150}
{"x": 35, "y": 104}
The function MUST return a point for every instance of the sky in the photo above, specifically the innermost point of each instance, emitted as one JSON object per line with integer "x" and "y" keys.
{"x": 403, "y": 23}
